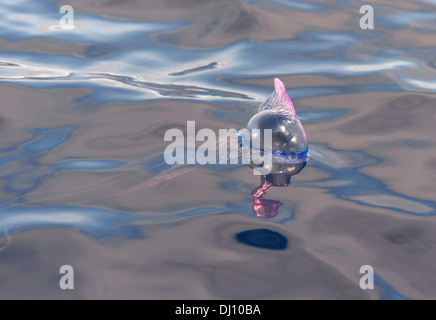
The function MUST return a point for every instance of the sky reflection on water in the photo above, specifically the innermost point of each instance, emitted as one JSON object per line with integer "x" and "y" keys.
{"x": 83, "y": 116}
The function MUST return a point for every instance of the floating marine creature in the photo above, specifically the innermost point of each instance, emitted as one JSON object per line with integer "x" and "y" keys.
{"x": 289, "y": 146}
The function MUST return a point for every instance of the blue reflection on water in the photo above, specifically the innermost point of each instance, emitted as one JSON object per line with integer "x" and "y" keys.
{"x": 348, "y": 183}
{"x": 306, "y": 6}
{"x": 23, "y": 172}
{"x": 96, "y": 222}
{"x": 386, "y": 291}
{"x": 42, "y": 21}
{"x": 89, "y": 164}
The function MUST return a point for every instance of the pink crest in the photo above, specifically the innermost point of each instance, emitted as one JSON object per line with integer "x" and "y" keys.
{"x": 279, "y": 101}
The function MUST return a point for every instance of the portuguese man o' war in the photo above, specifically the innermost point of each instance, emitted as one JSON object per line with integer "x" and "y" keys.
{"x": 289, "y": 142}
{"x": 289, "y": 146}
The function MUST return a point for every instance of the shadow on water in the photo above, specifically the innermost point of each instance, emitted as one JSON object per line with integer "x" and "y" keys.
{"x": 263, "y": 238}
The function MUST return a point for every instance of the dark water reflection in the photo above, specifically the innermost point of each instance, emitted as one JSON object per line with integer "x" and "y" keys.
{"x": 84, "y": 112}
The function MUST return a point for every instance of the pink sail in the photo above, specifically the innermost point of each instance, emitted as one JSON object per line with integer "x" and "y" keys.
{"x": 279, "y": 101}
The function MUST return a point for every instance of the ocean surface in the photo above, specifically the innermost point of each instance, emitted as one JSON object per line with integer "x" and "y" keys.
{"x": 84, "y": 111}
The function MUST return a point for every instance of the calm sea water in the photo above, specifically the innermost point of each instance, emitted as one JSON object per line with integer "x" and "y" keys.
{"x": 83, "y": 114}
